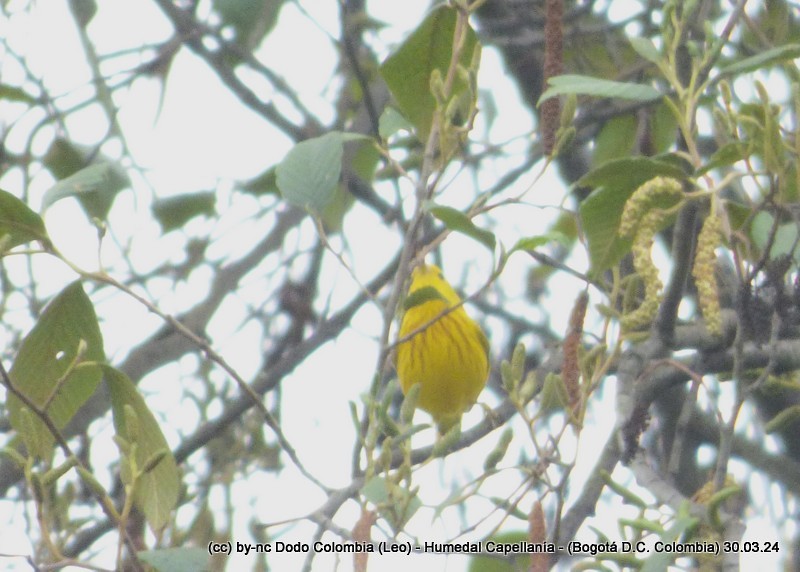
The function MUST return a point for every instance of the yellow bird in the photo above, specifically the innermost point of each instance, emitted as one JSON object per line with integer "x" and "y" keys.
{"x": 447, "y": 353}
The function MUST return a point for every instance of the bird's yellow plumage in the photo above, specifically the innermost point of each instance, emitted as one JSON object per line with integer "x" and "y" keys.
{"x": 449, "y": 357}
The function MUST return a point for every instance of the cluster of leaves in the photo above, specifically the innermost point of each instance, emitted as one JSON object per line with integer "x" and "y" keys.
{"x": 58, "y": 366}
{"x": 672, "y": 138}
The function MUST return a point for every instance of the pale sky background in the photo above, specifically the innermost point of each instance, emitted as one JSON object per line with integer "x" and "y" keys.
{"x": 204, "y": 139}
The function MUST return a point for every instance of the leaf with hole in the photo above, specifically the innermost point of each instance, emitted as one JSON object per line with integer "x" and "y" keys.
{"x": 56, "y": 367}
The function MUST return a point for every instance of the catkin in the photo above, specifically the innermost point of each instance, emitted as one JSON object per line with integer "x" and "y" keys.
{"x": 647, "y": 271}
{"x": 704, "y": 276}
{"x": 644, "y": 199}
{"x": 641, "y": 218}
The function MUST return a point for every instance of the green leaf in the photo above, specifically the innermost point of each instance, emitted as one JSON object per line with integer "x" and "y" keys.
{"x": 455, "y": 220}
{"x": 395, "y": 503}
{"x": 726, "y": 155}
{"x": 554, "y": 396}
{"x": 13, "y": 93}
{"x": 630, "y": 172}
{"x": 786, "y": 236}
{"x": 392, "y": 121}
{"x": 510, "y": 563}
{"x": 251, "y": 20}
{"x": 83, "y": 11}
{"x": 408, "y": 71}
{"x": 263, "y": 184}
{"x": 48, "y": 354}
{"x": 663, "y": 128}
{"x": 332, "y": 216}
{"x": 789, "y": 185}
{"x": 531, "y": 243}
{"x": 156, "y": 494}
{"x": 645, "y": 48}
{"x": 783, "y": 420}
{"x": 628, "y": 496}
{"x": 174, "y": 212}
{"x": 176, "y": 559}
{"x": 738, "y": 214}
{"x": 587, "y": 85}
{"x": 65, "y": 158}
{"x": 18, "y": 222}
{"x": 601, "y": 212}
{"x": 375, "y": 490}
{"x": 95, "y": 186}
{"x": 683, "y": 522}
{"x": 309, "y": 174}
{"x": 761, "y": 60}
{"x": 616, "y": 139}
